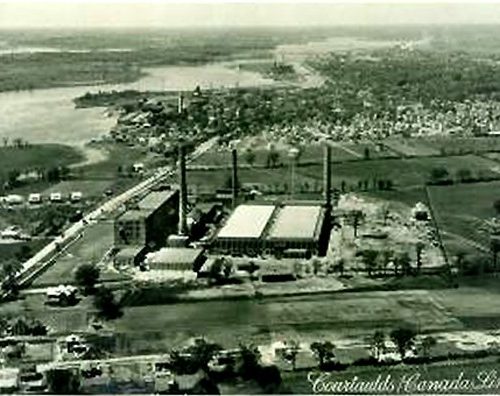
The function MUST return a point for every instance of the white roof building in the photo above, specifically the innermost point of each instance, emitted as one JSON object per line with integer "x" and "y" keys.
{"x": 297, "y": 222}
{"x": 247, "y": 221}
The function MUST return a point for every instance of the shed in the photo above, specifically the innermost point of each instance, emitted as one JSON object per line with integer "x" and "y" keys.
{"x": 176, "y": 258}
{"x": 129, "y": 256}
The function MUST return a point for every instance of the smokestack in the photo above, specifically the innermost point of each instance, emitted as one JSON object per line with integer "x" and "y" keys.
{"x": 234, "y": 154}
{"x": 180, "y": 104}
{"x": 183, "y": 191}
{"x": 327, "y": 175}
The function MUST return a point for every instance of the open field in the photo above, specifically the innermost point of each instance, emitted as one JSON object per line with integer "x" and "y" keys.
{"x": 96, "y": 241}
{"x": 263, "y": 322}
{"x": 44, "y": 156}
{"x": 12, "y": 250}
{"x": 461, "y": 209}
{"x": 445, "y": 145}
{"x": 310, "y": 154}
{"x": 149, "y": 329}
{"x": 117, "y": 156}
{"x": 89, "y": 188}
{"x": 405, "y": 173}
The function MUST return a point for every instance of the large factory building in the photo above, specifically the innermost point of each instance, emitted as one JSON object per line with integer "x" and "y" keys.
{"x": 298, "y": 230}
{"x": 287, "y": 230}
{"x": 150, "y": 222}
{"x": 244, "y": 231}
{"x": 293, "y": 229}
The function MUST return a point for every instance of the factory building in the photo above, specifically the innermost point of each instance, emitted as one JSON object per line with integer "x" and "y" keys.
{"x": 298, "y": 231}
{"x": 291, "y": 229}
{"x": 149, "y": 222}
{"x": 176, "y": 259}
{"x": 243, "y": 232}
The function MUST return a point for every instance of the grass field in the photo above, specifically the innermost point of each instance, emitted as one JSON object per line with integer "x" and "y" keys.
{"x": 461, "y": 209}
{"x": 89, "y": 188}
{"x": 404, "y": 173}
{"x": 265, "y": 321}
{"x": 97, "y": 240}
{"x": 310, "y": 154}
{"x": 43, "y": 156}
{"x": 443, "y": 145}
{"x": 11, "y": 250}
{"x": 118, "y": 156}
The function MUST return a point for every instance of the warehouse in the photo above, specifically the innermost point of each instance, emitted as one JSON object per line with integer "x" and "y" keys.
{"x": 149, "y": 222}
{"x": 298, "y": 230}
{"x": 176, "y": 259}
{"x": 244, "y": 231}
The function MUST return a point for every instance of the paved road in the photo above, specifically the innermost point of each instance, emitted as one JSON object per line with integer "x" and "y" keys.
{"x": 32, "y": 266}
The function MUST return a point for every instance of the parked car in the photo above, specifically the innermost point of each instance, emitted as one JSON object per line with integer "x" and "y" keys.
{"x": 56, "y": 197}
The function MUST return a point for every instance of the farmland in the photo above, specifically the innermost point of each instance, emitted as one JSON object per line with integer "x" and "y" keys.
{"x": 462, "y": 209}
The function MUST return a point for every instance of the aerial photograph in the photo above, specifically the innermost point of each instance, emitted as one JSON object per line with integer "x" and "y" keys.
{"x": 249, "y": 197}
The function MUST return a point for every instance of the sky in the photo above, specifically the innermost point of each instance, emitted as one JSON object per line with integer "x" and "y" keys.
{"x": 176, "y": 14}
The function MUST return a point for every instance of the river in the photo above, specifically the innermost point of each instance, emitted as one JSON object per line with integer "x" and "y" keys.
{"x": 49, "y": 115}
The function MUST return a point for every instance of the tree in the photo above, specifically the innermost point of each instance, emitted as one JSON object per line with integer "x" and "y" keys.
{"x": 370, "y": 257}
{"x": 291, "y": 351}
{"x": 439, "y": 175}
{"x": 105, "y": 303}
{"x": 195, "y": 357}
{"x": 316, "y": 263}
{"x": 250, "y": 156}
{"x": 419, "y": 247}
{"x": 273, "y": 157}
{"x": 385, "y": 211}
{"x": 496, "y": 206}
{"x": 464, "y": 175}
{"x": 404, "y": 338}
{"x": 269, "y": 379}
{"x": 250, "y": 358}
{"x": 9, "y": 271}
{"x": 460, "y": 259}
{"x": 377, "y": 343}
{"x": 324, "y": 352}
{"x": 86, "y": 276}
{"x": 387, "y": 257}
{"x": 24, "y": 253}
{"x": 428, "y": 343}
{"x": 63, "y": 381}
{"x": 403, "y": 261}
{"x": 356, "y": 217}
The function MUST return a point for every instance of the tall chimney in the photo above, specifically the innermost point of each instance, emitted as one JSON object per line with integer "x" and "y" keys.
{"x": 234, "y": 155}
{"x": 327, "y": 175}
{"x": 183, "y": 191}
{"x": 180, "y": 104}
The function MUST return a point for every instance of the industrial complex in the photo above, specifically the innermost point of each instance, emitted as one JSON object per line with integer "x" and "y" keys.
{"x": 280, "y": 229}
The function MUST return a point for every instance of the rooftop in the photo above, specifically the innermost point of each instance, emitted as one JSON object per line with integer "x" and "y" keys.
{"x": 296, "y": 222}
{"x": 131, "y": 251}
{"x": 247, "y": 221}
{"x": 133, "y": 214}
{"x": 173, "y": 255}
{"x": 155, "y": 199}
